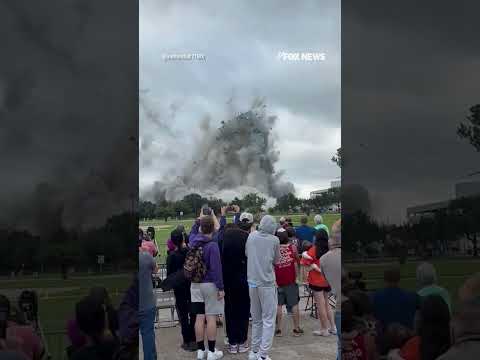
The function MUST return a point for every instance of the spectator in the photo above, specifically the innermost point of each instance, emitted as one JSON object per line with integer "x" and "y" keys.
{"x": 319, "y": 224}
{"x": 237, "y": 299}
{"x": 19, "y": 337}
{"x": 183, "y": 303}
{"x": 146, "y": 307}
{"x": 395, "y": 337}
{"x": 128, "y": 323}
{"x": 170, "y": 245}
{"x": 433, "y": 331}
{"x": 319, "y": 285}
{"x": 286, "y": 276}
{"x": 331, "y": 266}
{"x": 263, "y": 252}
{"x": 305, "y": 232}
{"x": 207, "y": 296}
{"x": 427, "y": 283}
{"x": 363, "y": 313}
{"x": 465, "y": 323}
{"x": 151, "y": 233}
{"x": 76, "y": 337}
{"x": 355, "y": 344}
{"x": 91, "y": 317}
{"x": 393, "y": 304}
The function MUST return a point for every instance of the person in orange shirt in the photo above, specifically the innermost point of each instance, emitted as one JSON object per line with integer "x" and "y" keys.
{"x": 319, "y": 285}
{"x": 433, "y": 331}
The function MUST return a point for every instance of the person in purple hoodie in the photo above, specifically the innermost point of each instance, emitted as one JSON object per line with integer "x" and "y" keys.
{"x": 207, "y": 296}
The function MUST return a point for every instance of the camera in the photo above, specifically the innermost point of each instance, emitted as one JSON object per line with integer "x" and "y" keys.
{"x": 28, "y": 304}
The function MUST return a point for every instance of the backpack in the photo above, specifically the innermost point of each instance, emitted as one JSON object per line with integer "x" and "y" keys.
{"x": 194, "y": 267}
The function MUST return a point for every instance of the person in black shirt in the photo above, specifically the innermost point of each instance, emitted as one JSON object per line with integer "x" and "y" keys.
{"x": 91, "y": 317}
{"x": 175, "y": 262}
{"x": 237, "y": 298}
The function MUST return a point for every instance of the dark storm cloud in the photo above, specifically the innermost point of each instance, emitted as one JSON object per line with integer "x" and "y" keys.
{"x": 410, "y": 73}
{"x": 64, "y": 137}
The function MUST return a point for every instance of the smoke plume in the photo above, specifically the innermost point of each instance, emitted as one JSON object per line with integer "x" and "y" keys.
{"x": 231, "y": 161}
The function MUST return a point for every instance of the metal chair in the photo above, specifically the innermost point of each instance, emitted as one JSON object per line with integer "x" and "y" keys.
{"x": 164, "y": 300}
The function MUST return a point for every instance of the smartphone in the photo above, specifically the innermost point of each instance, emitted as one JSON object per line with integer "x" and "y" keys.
{"x": 207, "y": 211}
{"x": 230, "y": 208}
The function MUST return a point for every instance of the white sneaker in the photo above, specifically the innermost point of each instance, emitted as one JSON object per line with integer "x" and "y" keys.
{"x": 252, "y": 355}
{"x": 321, "y": 333}
{"x": 201, "y": 354}
{"x": 214, "y": 355}
{"x": 333, "y": 331}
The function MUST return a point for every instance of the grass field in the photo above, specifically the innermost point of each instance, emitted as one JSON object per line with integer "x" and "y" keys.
{"x": 163, "y": 229}
{"x": 451, "y": 273}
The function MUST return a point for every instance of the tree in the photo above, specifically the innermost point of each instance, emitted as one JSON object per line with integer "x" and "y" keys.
{"x": 470, "y": 130}
{"x": 337, "y": 158}
{"x": 287, "y": 202}
{"x": 467, "y": 211}
{"x": 253, "y": 202}
{"x": 194, "y": 202}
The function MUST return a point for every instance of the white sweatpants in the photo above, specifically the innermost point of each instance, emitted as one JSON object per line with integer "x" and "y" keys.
{"x": 263, "y": 306}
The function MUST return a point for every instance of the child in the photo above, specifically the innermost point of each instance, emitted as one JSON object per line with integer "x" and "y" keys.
{"x": 175, "y": 262}
{"x": 286, "y": 276}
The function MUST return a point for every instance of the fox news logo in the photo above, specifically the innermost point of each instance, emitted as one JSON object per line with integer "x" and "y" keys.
{"x": 302, "y": 56}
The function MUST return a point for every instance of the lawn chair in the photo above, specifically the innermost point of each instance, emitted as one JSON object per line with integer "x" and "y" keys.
{"x": 164, "y": 300}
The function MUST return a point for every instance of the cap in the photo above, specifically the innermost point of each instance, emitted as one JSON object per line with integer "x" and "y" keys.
{"x": 246, "y": 217}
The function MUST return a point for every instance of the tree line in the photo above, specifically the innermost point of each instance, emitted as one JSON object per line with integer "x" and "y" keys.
{"x": 191, "y": 204}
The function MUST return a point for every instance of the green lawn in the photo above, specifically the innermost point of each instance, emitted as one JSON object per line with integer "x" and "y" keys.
{"x": 163, "y": 229}
{"x": 451, "y": 273}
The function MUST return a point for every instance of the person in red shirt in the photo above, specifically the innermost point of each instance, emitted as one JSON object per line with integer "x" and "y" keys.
{"x": 319, "y": 285}
{"x": 286, "y": 276}
{"x": 356, "y": 345}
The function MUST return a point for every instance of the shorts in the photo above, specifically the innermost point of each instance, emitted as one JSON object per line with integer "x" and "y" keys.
{"x": 205, "y": 299}
{"x": 288, "y": 295}
{"x": 320, "y": 288}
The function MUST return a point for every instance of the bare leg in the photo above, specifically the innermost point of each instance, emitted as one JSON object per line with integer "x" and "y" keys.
{"x": 200, "y": 328}
{"x": 211, "y": 327}
{"x": 296, "y": 317}
{"x": 279, "y": 317}
{"x": 331, "y": 320}
{"x": 321, "y": 309}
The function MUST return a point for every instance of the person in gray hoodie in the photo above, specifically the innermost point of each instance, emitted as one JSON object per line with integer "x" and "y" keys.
{"x": 263, "y": 252}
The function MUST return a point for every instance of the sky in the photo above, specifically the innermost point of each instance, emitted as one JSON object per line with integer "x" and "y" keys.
{"x": 240, "y": 42}
{"x": 410, "y": 74}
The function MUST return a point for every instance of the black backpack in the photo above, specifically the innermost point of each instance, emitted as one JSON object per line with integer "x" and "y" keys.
{"x": 194, "y": 267}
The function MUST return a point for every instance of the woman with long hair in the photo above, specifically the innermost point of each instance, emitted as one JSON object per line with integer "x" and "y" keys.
{"x": 319, "y": 285}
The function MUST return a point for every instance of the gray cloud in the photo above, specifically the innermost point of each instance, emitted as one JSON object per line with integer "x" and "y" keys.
{"x": 241, "y": 42}
{"x": 409, "y": 76}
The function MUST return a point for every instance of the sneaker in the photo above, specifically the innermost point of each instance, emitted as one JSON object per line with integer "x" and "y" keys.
{"x": 243, "y": 348}
{"x": 333, "y": 331}
{"x": 321, "y": 333}
{"x": 298, "y": 332}
{"x": 201, "y": 354}
{"x": 217, "y": 354}
{"x": 264, "y": 358}
{"x": 278, "y": 333}
{"x": 226, "y": 341}
{"x": 252, "y": 355}
{"x": 232, "y": 349}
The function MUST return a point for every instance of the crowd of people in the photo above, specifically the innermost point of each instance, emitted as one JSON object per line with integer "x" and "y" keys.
{"x": 398, "y": 324}
{"x": 246, "y": 271}
{"x": 97, "y": 331}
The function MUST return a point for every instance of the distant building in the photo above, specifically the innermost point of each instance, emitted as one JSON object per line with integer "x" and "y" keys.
{"x": 463, "y": 189}
{"x": 333, "y": 185}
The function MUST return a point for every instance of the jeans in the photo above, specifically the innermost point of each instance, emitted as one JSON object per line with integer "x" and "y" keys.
{"x": 147, "y": 330}
{"x": 338, "y": 324}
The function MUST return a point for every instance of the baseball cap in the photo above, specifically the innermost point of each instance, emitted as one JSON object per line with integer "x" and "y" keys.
{"x": 246, "y": 217}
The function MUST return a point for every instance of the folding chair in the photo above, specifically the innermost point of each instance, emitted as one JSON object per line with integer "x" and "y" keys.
{"x": 164, "y": 300}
